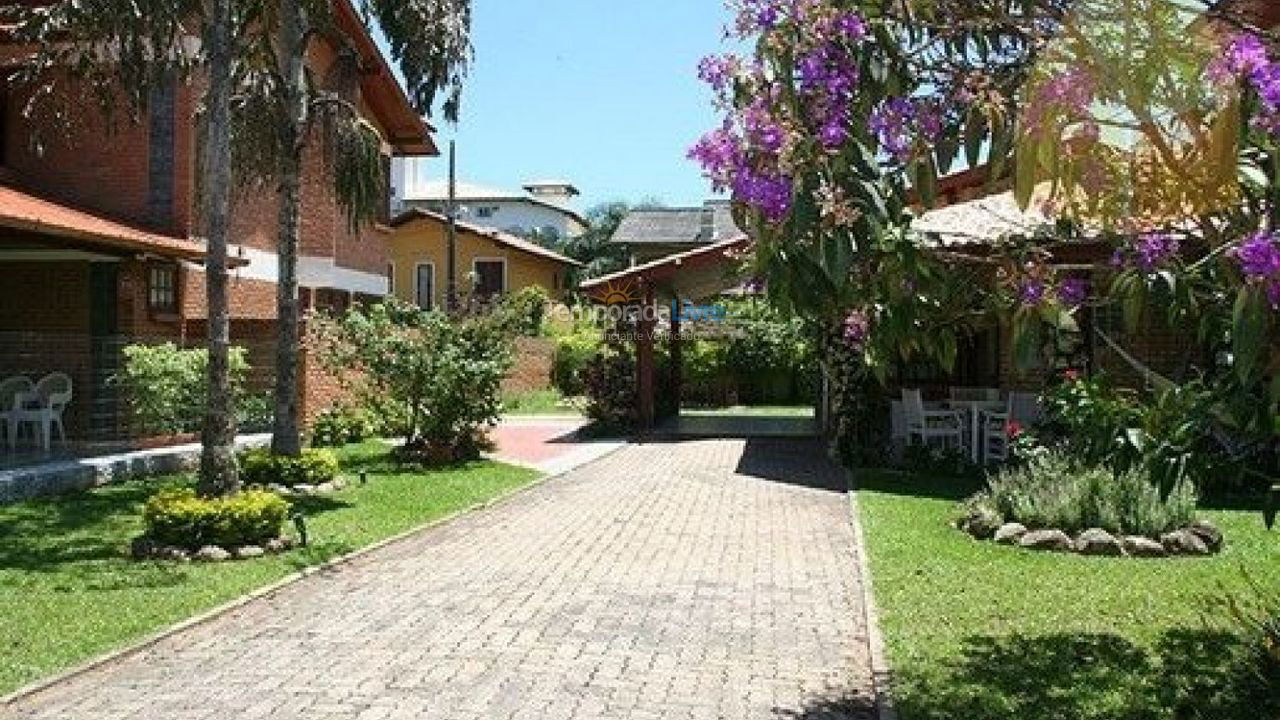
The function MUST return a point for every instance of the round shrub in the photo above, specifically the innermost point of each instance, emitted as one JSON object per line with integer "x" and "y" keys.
{"x": 313, "y": 467}
{"x": 183, "y": 519}
{"x": 572, "y": 354}
{"x": 342, "y": 425}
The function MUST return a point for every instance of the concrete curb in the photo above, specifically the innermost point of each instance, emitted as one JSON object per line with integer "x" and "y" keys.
{"x": 148, "y": 641}
{"x": 881, "y": 674}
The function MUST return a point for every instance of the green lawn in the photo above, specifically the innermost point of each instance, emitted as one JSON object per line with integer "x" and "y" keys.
{"x": 542, "y": 402}
{"x": 980, "y": 631}
{"x": 70, "y": 591}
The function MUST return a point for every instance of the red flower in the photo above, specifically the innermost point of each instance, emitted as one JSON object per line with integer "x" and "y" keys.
{"x": 1071, "y": 375}
{"x": 1013, "y": 428}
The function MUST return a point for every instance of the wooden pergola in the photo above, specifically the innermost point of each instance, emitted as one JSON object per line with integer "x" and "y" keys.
{"x": 685, "y": 277}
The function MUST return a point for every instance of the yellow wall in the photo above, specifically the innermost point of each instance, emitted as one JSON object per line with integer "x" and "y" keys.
{"x": 424, "y": 241}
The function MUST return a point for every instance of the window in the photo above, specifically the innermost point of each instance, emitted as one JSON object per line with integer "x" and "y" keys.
{"x": 486, "y": 212}
{"x": 391, "y": 278}
{"x": 491, "y": 278}
{"x": 426, "y": 286}
{"x": 162, "y": 288}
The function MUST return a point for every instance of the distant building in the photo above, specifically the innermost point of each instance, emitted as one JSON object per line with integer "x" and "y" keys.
{"x": 544, "y": 208}
{"x": 657, "y": 233}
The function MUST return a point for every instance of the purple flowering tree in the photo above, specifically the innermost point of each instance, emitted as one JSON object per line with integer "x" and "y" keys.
{"x": 839, "y": 124}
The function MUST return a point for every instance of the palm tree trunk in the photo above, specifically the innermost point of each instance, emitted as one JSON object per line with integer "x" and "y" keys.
{"x": 286, "y": 436}
{"x": 218, "y": 472}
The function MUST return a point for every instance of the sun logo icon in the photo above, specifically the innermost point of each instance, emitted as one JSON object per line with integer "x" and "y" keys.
{"x": 617, "y": 293}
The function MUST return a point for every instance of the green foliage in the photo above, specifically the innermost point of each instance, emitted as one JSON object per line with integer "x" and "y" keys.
{"x": 254, "y": 412}
{"x": 183, "y": 519}
{"x": 527, "y": 308}
{"x": 343, "y": 425}
{"x": 939, "y": 462}
{"x": 262, "y": 467}
{"x": 166, "y": 386}
{"x": 444, "y": 375}
{"x": 1057, "y": 490}
{"x": 610, "y": 382}
{"x": 1256, "y": 681}
{"x": 572, "y": 354}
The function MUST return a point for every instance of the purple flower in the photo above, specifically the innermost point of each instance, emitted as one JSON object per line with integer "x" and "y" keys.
{"x": 1032, "y": 291}
{"x": 852, "y": 26}
{"x": 1073, "y": 292}
{"x": 718, "y": 70}
{"x": 856, "y": 329}
{"x": 834, "y": 134}
{"x": 891, "y": 123}
{"x": 1244, "y": 54}
{"x": 1154, "y": 250}
{"x": 1259, "y": 258}
{"x": 720, "y": 153}
{"x": 762, "y": 129}
{"x": 770, "y": 194}
{"x": 827, "y": 70}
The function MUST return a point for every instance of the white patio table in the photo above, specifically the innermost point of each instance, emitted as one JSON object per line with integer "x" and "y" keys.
{"x": 974, "y": 409}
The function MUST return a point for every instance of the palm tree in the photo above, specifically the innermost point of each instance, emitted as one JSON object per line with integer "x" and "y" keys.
{"x": 147, "y": 49}
{"x": 285, "y": 110}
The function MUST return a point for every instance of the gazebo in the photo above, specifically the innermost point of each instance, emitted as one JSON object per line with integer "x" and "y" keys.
{"x": 645, "y": 289}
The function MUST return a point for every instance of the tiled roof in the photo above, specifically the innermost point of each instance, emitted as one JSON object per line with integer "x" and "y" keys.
{"x": 694, "y": 226}
{"x": 511, "y": 241}
{"x": 980, "y": 222}
{"x": 23, "y": 211}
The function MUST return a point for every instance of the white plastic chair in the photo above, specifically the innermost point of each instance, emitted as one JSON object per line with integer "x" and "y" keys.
{"x": 12, "y": 393}
{"x": 995, "y": 431}
{"x": 43, "y": 407}
{"x": 927, "y": 425}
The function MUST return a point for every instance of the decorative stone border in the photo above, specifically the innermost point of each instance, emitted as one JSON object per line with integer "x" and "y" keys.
{"x": 1198, "y": 539}
{"x": 297, "y": 491}
{"x": 144, "y": 548}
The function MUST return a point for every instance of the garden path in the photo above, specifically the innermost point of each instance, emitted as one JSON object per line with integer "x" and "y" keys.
{"x": 695, "y": 579}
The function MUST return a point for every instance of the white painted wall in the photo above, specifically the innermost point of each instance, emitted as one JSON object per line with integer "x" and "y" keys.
{"x": 521, "y": 216}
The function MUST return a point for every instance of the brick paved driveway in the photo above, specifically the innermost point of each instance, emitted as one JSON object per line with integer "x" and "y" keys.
{"x": 703, "y": 579}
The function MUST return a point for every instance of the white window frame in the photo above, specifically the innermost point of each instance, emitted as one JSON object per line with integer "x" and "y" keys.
{"x": 417, "y": 285}
{"x": 475, "y": 272}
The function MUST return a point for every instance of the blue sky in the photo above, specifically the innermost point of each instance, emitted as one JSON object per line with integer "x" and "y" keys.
{"x": 603, "y": 93}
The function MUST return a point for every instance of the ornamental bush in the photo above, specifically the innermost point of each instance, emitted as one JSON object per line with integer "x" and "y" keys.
{"x": 442, "y": 375}
{"x": 1056, "y": 491}
{"x": 527, "y": 309}
{"x": 262, "y": 467}
{"x": 572, "y": 354}
{"x": 166, "y": 387}
{"x": 341, "y": 425}
{"x": 181, "y": 518}
{"x": 610, "y": 381}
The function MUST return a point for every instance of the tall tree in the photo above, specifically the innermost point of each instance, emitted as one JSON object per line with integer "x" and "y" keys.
{"x": 430, "y": 42}
{"x": 594, "y": 247}
{"x": 119, "y": 52}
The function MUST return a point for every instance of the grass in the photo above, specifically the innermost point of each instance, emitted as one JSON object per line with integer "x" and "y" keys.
{"x": 541, "y": 402}
{"x": 71, "y": 592}
{"x": 977, "y": 630}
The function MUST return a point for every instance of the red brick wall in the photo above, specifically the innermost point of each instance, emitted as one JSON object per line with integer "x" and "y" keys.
{"x": 95, "y": 163}
{"x": 532, "y": 369}
{"x": 249, "y": 299}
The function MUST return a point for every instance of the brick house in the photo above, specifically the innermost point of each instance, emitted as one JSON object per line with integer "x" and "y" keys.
{"x": 100, "y": 243}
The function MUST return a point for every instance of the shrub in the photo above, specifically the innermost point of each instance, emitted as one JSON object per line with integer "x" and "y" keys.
{"x": 313, "y": 467}
{"x": 572, "y": 354}
{"x": 444, "y": 375}
{"x": 341, "y": 425}
{"x": 166, "y": 386}
{"x": 1255, "y": 680}
{"x": 183, "y": 519}
{"x": 610, "y": 380}
{"x": 254, "y": 413}
{"x": 527, "y": 309}
{"x": 944, "y": 462}
{"x": 1055, "y": 490}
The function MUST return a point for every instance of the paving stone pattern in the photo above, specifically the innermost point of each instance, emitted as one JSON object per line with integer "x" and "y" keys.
{"x": 697, "y": 579}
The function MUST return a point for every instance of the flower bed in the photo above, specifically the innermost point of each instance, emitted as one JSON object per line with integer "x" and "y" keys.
{"x": 1054, "y": 502}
